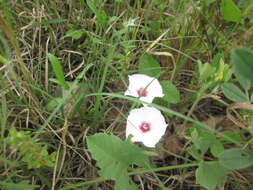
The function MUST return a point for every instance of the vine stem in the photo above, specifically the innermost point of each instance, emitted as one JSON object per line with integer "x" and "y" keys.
{"x": 142, "y": 171}
{"x": 195, "y": 103}
{"x": 139, "y": 171}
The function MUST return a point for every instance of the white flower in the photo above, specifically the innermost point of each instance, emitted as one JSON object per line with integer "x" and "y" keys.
{"x": 144, "y": 87}
{"x": 146, "y": 125}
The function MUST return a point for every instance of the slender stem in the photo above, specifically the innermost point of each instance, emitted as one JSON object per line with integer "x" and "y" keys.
{"x": 97, "y": 180}
{"x": 140, "y": 171}
{"x": 195, "y": 103}
{"x": 192, "y": 108}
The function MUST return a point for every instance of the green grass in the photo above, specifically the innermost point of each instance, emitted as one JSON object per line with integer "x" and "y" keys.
{"x": 96, "y": 59}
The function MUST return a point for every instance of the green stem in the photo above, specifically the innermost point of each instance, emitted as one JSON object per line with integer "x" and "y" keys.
{"x": 74, "y": 186}
{"x": 195, "y": 103}
{"x": 136, "y": 172}
{"x": 142, "y": 171}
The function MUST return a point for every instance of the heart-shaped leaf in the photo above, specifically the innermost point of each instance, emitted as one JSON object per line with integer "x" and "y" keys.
{"x": 114, "y": 156}
{"x": 171, "y": 94}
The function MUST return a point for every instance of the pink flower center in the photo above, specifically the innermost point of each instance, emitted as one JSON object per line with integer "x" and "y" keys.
{"x": 145, "y": 127}
{"x": 142, "y": 92}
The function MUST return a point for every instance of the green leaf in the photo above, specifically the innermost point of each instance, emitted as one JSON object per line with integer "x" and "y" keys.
{"x": 236, "y": 158}
{"x": 101, "y": 15}
{"x": 228, "y": 135}
{"x": 171, "y": 94}
{"x": 202, "y": 139}
{"x": 58, "y": 71}
{"x": 211, "y": 174}
{"x": 233, "y": 93}
{"x": 33, "y": 153}
{"x": 92, "y": 5}
{"x": 9, "y": 162}
{"x": 18, "y": 186}
{"x": 217, "y": 148}
{"x": 114, "y": 157}
{"x": 102, "y": 18}
{"x": 193, "y": 151}
{"x": 230, "y": 12}
{"x": 244, "y": 82}
{"x": 149, "y": 66}
{"x": 55, "y": 81}
{"x": 251, "y": 98}
{"x": 75, "y": 34}
{"x": 205, "y": 70}
{"x": 242, "y": 59}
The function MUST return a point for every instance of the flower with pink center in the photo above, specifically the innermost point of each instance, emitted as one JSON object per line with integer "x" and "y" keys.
{"x": 144, "y": 87}
{"x": 146, "y": 125}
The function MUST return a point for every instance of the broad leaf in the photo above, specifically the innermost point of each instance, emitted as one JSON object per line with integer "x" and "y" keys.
{"x": 230, "y": 12}
{"x": 233, "y": 93}
{"x": 242, "y": 59}
{"x": 114, "y": 157}
{"x": 236, "y": 158}
{"x": 149, "y": 66}
{"x": 58, "y": 71}
{"x": 171, "y": 94}
{"x": 211, "y": 174}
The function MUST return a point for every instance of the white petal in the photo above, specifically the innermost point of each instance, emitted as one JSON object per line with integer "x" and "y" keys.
{"x": 149, "y": 115}
{"x": 150, "y": 142}
{"x": 150, "y": 84}
{"x": 133, "y": 121}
